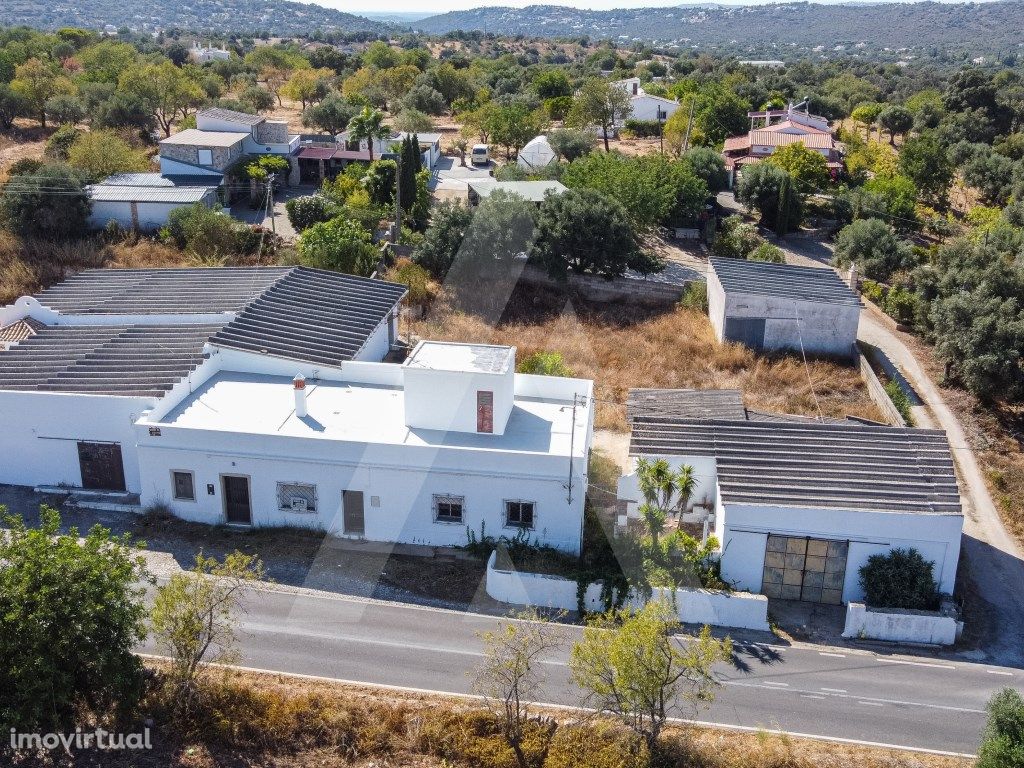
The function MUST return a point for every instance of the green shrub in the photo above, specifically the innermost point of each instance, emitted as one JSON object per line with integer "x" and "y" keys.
{"x": 900, "y": 400}
{"x": 874, "y": 292}
{"x": 544, "y": 364}
{"x": 900, "y": 304}
{"x": 695, "y": 296}
{"x": 304, "y": 212}
{"x": 59, "y": 144}
{"x": 767, "y": 252}
{"x": 902, "y": 578}
{"x": 643, "y": 129}
{"x": 736, "y": 239}
{"x": 207, "y": 234}
{"x": 340, "y": 244}
{"x": 421, "y": 289}
{"x": 1003, "y": 743}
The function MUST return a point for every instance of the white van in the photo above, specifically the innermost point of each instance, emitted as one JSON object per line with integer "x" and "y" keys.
{"x": 481, "y": 155}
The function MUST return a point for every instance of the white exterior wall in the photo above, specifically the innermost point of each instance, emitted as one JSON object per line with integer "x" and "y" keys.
{"x": 716, "y": 305}
{"x": 250, "y": 147}
{"x": 39, "y": 434}
{"x": 704, "y": 470}
{"x": 646, "y": 108}
{"x": 827, "y": 329}
{"x": 897, "y": 626}
{"x": 378, "y": 344}
{"x": 401, "y": 479}
{"x": 446, "y": 400}
{"x": 693, "y": 606}
{"x": 936, "y": 537}
{"x": 151, "y": 215}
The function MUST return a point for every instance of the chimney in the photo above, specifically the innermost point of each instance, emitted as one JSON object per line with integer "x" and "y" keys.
{"x": 852, "y": 278}
{"x": 300, "y": 397}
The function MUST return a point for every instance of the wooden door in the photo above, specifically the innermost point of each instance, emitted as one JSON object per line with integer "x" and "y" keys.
{"x": 354, "y": 517}
{"x": 102, "y": 466}
{"x": 237, "y": 507}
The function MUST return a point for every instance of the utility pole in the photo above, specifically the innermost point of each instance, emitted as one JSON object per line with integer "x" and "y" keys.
{"x": 270, "y": 202}
{"x": 689, "y": 125}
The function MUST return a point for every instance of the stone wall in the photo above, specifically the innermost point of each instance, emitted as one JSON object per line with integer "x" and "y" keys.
{"x": 649, "y": 292}
{"x": 877, "y": 392}
{"x": 272, "y": 132}
{"x": 189, "y": 153}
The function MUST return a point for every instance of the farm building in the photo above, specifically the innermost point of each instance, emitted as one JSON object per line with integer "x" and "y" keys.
{"x": 531, "y": 191}
{"x": 107, "y": 345}
{"x": 259, "y": 396}
{"x": 798, "y": 505}
{"x": 782, "y": 307}
{"x": 144, "y": 201}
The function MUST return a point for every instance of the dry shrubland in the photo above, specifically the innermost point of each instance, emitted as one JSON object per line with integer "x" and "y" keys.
{"x": 249, "y": 719}
{"x": 621, "y": 347}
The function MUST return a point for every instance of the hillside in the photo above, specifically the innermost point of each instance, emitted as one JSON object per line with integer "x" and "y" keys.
{"x": 276, "y": 17}
{"x": 985, "y": 28}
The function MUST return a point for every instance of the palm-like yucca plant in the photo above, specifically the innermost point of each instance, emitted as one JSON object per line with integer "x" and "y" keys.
{"x": 369, "y": 125}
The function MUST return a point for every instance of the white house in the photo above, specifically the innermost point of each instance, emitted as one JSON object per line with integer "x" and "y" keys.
{"x": 781, "y": 306}
{"x": 201, "y": 54}
{"x": 109, "y": 344}
{"x": 144, "y": 201}
{"x": 257, "y": 396}
{"x": 645, "y": 106}
{"x": 799, "y": 505}
{"x": 452, "y": 439}
{"x": 351, "y": 150}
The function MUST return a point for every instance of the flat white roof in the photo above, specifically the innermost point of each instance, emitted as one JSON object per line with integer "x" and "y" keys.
{"x": 193, "y": 137}
{"x": 373, "y": 414}
{"x": 464, "y": 358}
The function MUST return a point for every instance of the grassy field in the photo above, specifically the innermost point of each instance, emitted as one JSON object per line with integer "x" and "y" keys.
{"x": 622, "y": 347}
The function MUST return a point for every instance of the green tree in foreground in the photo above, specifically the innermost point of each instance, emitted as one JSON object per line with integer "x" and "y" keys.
{"x": 194, "y": 618}
{"x": 511, "y": 674}
{"x": 443, "y": 238}
{"x": 599, "y": 104}
{"x": 632, "y": 667}
{"x": 71, "y": 613}
{"x": 1002, "y": 745}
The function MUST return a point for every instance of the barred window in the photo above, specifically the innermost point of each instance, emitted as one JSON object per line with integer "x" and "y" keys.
{"x": 519, "y": 514}
{"x": 448, "y": 509}
{"x": 184, "y": 486}
{"x": 296, "y": 497}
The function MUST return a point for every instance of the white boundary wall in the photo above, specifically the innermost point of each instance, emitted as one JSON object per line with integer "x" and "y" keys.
{"x": 695, "y": 606}
{"x": 900, "y": 626}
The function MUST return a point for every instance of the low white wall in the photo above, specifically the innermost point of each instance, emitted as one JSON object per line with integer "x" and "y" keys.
{"x": 695, "y": 606}
{"x": 899, "y": 626}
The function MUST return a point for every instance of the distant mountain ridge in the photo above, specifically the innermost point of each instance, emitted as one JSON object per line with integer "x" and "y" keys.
{"x": 985, "y": 27}
{"x": 278, "y": 17}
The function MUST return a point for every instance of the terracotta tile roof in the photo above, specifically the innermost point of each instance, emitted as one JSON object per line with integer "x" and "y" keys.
{"x": 736, "y": 142}
{"x": 765, "y": 138}
{"x": 20, "y": 330}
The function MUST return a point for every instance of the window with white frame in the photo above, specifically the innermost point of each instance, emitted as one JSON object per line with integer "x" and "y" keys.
{"x": 448, "y": 509}
{"x": 205, "y": 157}
{"x": 184, "y": 486}
{"x": 296, "y": 497}
{"x": 519, "y": 514}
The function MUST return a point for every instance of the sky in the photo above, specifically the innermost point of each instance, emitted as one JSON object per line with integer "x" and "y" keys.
{"x": 431, "y": 7}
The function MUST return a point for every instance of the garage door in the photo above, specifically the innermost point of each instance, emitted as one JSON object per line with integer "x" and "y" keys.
{"x": 748, "y": 331}
{"x": 802, "y": 568}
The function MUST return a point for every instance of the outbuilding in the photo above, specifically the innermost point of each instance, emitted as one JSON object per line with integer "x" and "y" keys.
{"x": 531, "y": 191}
{"x": 782, "y": 307}
{"x": 145, "y": 201}
{"x": 799, "y": 505}
{"x": 537, "y": 154}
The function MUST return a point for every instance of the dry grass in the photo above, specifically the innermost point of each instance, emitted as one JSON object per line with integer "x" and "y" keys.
{"x": 249, "y": 719}
{"x": 622, "y": 347}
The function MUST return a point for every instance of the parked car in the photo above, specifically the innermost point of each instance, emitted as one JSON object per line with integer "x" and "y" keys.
{"x": 481, "y": 155}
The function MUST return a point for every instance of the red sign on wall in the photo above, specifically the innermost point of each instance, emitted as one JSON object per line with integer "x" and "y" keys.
{"x": 484, "y": 411}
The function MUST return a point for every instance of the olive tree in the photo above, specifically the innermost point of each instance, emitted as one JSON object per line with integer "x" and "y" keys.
{"x": 1002, "y": 745}
{"x": 874, "y": 247}
{"x": 632, "y": 667}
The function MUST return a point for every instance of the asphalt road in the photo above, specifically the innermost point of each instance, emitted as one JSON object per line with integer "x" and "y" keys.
{"x": 914, "y": 702}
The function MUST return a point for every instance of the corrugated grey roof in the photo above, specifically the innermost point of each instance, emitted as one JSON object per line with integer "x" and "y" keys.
{"x": 312, "y": 315}
{"x": 786, "y": 281}
{"x": 858, "y": 467}
{"x": 217, "y": 113}
{"x": 159, "y": 180}
{"x": 160, "y": 291}
{"x": 532, "y": 191}
{"x": 292, "y": 312}
{"x": 111, "y": 193}
{"x": 686, "y": 403}
{"x": 135, "y": 360}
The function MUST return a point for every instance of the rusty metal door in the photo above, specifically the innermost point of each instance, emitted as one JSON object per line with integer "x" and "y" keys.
{"x": 102, "y": 466}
